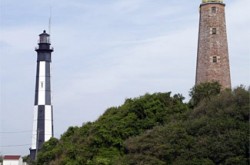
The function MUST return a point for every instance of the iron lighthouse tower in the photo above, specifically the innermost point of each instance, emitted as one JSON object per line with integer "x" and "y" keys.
{"x": 212, "y": 57}
{"x": 43, "y": 111}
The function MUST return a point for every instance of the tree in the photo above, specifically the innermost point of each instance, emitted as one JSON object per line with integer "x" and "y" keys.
{"x": 102, "y": 142}
{"x": 160, "y": 129}
{"x": 48, "y": 151}
{"x": 213, "y": 133}
{"x": 203, "y": 91}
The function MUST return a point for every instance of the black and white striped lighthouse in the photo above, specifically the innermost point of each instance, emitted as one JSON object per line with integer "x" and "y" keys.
{"x": 43, "y": 111}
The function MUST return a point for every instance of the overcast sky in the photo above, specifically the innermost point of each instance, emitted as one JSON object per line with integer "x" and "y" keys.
{"x": 105, "y": 52}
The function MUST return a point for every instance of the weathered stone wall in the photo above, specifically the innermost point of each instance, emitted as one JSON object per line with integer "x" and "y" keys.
{"x": 212, "y": 57}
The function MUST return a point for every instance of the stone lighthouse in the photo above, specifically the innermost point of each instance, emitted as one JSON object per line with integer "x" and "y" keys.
{"x": 212, "y": 57}
{"x": 43, "y": 112}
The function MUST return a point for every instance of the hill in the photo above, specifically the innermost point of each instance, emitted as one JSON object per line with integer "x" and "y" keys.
{"x": 160, "y": 129}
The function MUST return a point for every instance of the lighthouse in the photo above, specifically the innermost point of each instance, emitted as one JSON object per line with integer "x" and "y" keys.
{"x": 212, "y": 56}
{"x": 43, "y": 110}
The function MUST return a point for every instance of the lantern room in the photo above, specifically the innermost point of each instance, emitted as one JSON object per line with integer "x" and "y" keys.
{"x": 44, "y": 38}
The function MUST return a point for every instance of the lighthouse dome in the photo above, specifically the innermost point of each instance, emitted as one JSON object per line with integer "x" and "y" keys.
{"x": 209, "y": 1}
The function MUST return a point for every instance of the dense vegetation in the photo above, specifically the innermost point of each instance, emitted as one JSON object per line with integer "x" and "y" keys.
{"x": 160, "y": 129}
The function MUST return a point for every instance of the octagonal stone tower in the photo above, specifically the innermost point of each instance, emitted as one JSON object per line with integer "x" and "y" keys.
{"x": 212, "y": 57}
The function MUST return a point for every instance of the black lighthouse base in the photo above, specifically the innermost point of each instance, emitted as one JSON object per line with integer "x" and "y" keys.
{"x": 33, "y": 154}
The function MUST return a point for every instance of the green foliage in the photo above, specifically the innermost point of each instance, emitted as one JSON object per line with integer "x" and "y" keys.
{"x": 48, "y": 152}
{"x": 214, "y": 133}
{"x": 102, "y": 142}
{"x": 203, "y": 91}
{"x": 160, "y": 129}
{"x": 28, "y": 160}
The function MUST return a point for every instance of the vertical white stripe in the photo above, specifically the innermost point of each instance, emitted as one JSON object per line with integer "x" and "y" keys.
{"x": 41, "y": 85}
{"x": 48, "y": 122}
{"x": 34, "y": 133}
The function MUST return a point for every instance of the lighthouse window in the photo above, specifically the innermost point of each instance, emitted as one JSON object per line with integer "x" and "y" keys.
{"x": 214, "y": 10}
{"x": 214, "y": 31}
{"x": 214, "y": 59}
